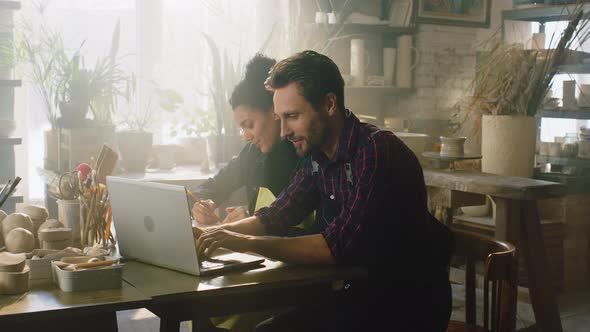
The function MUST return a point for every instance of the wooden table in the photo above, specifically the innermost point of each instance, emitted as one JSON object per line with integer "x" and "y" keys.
{"x": 179, "y": 297}
{"x": 516, "y": 221}
{"x": 46, "y": 307}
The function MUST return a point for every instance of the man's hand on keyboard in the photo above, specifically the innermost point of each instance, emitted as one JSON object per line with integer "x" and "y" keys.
{"x": 211, "y": 239}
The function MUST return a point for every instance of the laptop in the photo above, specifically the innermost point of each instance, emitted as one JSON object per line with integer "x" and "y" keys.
{"x": 153, "y": 225}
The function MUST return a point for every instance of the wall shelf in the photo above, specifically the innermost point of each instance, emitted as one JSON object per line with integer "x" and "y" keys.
{"x": 582, "y": 68}
{"x": 543, "y": 13}
{"x": 576, "y": 184}
{"x": 582, "y": 114}
{"x": 576, "y": 162}
{"x": 10, "y": 83}
{"x": 10, "y": 140}
{"x": 11, "y": 5}
{"x": 356, "y": 28}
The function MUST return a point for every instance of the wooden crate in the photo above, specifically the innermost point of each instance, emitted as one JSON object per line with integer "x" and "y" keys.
{"x": 82, "y": 145}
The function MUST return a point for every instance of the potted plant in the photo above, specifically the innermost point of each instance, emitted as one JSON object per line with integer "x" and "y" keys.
{"x": 225, "y": 75}
{"x": 508, "y": 90}
{"x": 81, "y": 89}
{"x": 196, "y": 125}
{"x": 134, "y": 139}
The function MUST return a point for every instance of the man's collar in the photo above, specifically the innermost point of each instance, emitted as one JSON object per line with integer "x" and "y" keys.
{"x": 346, "y": 140}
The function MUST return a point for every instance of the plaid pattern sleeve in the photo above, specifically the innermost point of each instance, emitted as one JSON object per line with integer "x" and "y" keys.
{"x": 294, "y": 203}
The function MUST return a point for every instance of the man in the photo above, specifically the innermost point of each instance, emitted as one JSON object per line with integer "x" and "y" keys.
{"x": 368, "y": 189}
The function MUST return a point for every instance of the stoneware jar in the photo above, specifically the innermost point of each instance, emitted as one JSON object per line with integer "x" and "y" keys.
{"x": 452, "y": 146}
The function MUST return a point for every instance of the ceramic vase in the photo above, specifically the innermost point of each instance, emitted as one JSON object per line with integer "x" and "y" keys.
{"x": 508, "y": 145}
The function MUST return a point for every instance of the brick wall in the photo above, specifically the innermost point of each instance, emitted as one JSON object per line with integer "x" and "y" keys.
{"x": 446, "y": 68}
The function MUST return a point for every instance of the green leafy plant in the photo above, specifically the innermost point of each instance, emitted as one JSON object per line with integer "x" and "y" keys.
{"x": 225, "y": 75}
{"x": 97, "y": 88}
{"x": 141, "y": 118}
{"x": 196, "y": 122}
{"x": 64, "y": 81}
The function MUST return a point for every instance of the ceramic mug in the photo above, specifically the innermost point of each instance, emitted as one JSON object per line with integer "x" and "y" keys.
{"x": 452, "y": 146}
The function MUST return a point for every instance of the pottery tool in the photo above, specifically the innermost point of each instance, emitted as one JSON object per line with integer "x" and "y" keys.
{"x": 10, "y": 191}
{"x": 79, "y": 266}
{"x": 109, "y": 220}
{"x": 81, "y": 259}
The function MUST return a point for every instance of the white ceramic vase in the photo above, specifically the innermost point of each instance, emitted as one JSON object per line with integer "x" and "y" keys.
{"x": 508, "y": 145}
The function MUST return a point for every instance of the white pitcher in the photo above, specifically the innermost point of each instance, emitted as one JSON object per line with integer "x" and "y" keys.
{"x": 404, "y": 66}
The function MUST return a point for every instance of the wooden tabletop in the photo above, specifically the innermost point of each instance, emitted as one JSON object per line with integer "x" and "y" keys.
{"x": 495, "y": 185}
{"x": 160, "y": 283}
{"x": 48, "y": 301}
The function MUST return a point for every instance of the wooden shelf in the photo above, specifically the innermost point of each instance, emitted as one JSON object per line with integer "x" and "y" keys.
{"x": 582, "y": 68}
{"x": 383, "y": 90}
{"x": 11, "y": 5}
{"x": 14, "y": 198}
{"x": 576, "y": 184}
{"x": 10, "y": 83}
{"x": 576, "y": 162}
{"x": 356, "y": 28}
{"x": 581, "y": 114}
{"x": 543, "y": 13}
{"x": 10, "y": 140}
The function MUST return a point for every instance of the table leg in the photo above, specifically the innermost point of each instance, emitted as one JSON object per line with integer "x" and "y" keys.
{"x": 169, "y": 325}
{"x": 508, "y": 227}
{"x": 518, "y": 222}
{"x": 541, "y": 290}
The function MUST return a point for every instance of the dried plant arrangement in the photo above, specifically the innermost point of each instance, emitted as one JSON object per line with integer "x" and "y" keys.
{"x": 514, "y": 81}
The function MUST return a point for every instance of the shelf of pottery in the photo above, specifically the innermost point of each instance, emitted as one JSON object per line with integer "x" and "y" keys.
{"x": 368, "y": 48}
{"x": 7, "y": 86}
{"x": 569, "y": 155}
{"x": 397, "y": 67}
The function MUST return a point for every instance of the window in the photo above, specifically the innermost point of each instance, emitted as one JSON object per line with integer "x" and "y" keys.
{"x": 162, "y": 41}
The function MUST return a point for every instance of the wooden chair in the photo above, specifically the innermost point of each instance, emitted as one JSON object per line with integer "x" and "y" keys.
{"x": 500, "y": 270}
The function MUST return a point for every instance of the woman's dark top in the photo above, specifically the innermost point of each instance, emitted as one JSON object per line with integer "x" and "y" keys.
{"x": 252, "y": 169}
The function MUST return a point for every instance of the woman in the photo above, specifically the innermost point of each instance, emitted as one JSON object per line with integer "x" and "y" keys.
{"x": 266, "y": 161}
